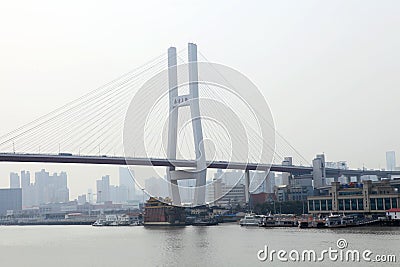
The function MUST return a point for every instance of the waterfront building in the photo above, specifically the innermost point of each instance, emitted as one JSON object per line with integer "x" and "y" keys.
{"x": 366, "y": 197}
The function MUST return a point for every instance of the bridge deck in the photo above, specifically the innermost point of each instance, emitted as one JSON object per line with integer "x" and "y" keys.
{"x": 110, "y": 160}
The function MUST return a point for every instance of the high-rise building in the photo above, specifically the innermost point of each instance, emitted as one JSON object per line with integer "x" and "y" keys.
{"x": 268, "y": 185}
{"x": 118, "y": 194}
{"x": 278, "y": 179}
{"x": 103, "y": 189}
{"x": 90, "y": 195}
{"x": 186, "y": 190}
{"x": 157, "y": 187}
{"x": 319, "y": 173}
{"x": 286, "y": 177}
{"x": 127, "y": 180}
{"x": 25, "y": 179}
{"x": 50, "y": 188}
{"x": 28, "y": 194}
{"x": 46, "y": 188}
{"x": 390, "y": 161}
{"x": 14, "y": 180}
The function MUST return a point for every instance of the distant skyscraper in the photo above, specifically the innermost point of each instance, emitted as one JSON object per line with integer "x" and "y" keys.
{"x": 90, "y": 195}
{"x": 27, "y": 189}
{"x": 127, "y": 180}
{"x": 103, "y": 189}
{"x": 157, "y": 187}
{"x": 46, "y": 189}
{"x": 187, "y": 190}
{"x": 14, "y": 180}
{"x": 118, "y": 194}
{"x": 50, "y": 188}
{"x": 25, "y": 179}
{"x": 319, "y": 173}
{"x": 287, "y": 161}
{"x": 390, "y": 161}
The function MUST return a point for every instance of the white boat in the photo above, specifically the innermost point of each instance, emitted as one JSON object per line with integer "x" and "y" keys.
{"x": 278, "y": 221}
{"x": 251, "y": 219}
{"x": 335, "y": 221}
{"x": 99, "y": 222}
{"x": 112, "y": 220}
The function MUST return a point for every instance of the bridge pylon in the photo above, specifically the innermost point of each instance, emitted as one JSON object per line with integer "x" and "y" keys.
{"x": 177, "y": 101}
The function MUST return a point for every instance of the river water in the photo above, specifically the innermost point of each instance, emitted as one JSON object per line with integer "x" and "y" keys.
{"x": 222, "y": 245}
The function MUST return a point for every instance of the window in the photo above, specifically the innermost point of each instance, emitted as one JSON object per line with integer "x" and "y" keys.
{"x": 360, "y": 204}
{"x": 394, "y": 203}
{"x": 323, "y": 204}
{"x": 354, "y": 204}
{"x": 317, "y": 204}
{"x": 311, "y": 205}
{"x": 387, "y": 203}
{"x": 373, "y": 203}
{"x": 329, "y": 204}
{"x": 340, "y": 202}
{"x": 347, "y": 204}
{"x": 379, "y": 203}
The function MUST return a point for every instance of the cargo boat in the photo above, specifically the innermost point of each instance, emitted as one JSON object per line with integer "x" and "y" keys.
{"x": 160, "y": 212}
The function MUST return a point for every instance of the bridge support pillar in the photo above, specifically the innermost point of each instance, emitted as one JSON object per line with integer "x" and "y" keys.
{"x": 175, "y": 102}
{"x": 247, "y": 186}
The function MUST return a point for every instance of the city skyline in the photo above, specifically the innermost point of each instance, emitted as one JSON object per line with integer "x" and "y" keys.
{"x": 350, "y": 80}
{"x": 123, "y": 186}
{"x": 199, "y": 133}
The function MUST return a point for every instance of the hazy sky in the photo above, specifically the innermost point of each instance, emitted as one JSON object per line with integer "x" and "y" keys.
{"x": 329, "y": 69}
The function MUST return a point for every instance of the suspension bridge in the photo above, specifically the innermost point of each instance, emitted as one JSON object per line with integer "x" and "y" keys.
{"x": 92, "y": 129}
